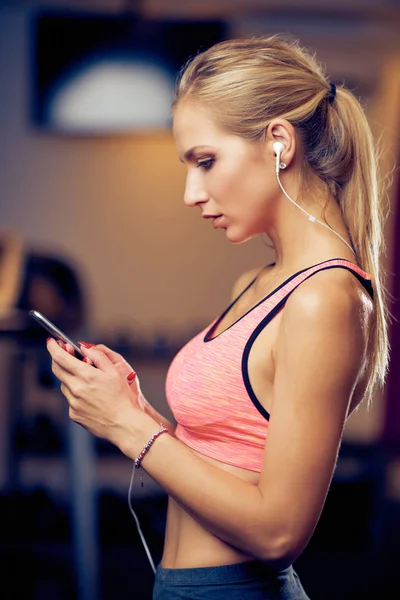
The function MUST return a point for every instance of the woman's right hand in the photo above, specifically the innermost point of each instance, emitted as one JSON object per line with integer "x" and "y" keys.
{"x": 125, "y": 370}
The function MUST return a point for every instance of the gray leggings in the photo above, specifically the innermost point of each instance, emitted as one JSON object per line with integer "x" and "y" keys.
{"x": 243, "y": 581}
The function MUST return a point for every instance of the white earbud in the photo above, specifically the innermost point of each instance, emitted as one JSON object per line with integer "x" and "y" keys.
{"x": 278, "y": 147}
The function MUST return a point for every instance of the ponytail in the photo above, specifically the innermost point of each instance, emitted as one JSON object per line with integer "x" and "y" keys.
{"x": 248, "y": 82}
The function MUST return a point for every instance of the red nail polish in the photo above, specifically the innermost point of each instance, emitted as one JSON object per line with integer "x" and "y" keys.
{"x": 86, "y": 345}
{"x": 49, "y": 338}
{"x": 131, "y": 377}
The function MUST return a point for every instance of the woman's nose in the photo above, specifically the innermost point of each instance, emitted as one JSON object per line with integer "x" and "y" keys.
{"x": 194, "y": 190}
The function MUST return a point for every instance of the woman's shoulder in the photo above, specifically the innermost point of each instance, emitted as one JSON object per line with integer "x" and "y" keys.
{"x": 325, "y": 328}
{"x": 330, "y": 286}
{"x": 334, "y": 296}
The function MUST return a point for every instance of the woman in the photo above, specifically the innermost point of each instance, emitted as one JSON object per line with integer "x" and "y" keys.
{"x": 262, "y": 395}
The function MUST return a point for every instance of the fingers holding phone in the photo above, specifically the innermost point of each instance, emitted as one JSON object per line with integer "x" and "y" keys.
{"x": 57, "y": 333}
{"x": 71, "y": 350}
{"x": 87, "y": 359}
{"x": 63, "y": 340}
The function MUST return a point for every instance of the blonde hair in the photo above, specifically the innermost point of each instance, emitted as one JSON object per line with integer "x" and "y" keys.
{"x": 245, "y": 83}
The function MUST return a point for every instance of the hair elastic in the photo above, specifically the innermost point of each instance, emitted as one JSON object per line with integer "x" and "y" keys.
{"x": 332, "y": 93}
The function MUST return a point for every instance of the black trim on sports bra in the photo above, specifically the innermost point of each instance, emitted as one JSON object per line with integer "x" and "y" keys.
{"x": 245, "y": 373}
{"x": 365, "y": 282}
{"x": 207, "y": 338}
{"x": 246, "y": 352}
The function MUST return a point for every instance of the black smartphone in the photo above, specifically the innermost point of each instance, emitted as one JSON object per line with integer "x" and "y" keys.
{"x": 55, "y": 331}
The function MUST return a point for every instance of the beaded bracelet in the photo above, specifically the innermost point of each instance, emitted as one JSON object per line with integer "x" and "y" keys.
{"x": 147, "y": 447}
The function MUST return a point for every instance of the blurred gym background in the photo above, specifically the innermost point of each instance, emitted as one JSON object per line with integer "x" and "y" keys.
{"x": 94, "y": 233}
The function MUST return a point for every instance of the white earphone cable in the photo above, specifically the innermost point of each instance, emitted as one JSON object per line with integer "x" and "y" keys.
{"x": 137, "y": 521}
{"x": 311, "y": 217}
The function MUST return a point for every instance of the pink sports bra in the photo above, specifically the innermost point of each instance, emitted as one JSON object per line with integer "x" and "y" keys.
{"x": 208, "y": 387}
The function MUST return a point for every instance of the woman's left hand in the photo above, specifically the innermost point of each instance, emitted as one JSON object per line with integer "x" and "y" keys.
{"x": 99, "y": 399}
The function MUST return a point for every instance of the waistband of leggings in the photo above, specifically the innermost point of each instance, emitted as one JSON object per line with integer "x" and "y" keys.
{"x": 219, "y": 574}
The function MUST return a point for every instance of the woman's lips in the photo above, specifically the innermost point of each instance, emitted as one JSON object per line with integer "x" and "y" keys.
{"x": 216, "y": 220}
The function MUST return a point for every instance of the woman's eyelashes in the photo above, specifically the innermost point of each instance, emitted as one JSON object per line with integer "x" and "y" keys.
{"x": 205, "y": 163}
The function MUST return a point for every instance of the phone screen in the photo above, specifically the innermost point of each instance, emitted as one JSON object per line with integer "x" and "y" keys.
{"x": 55, "y": 331}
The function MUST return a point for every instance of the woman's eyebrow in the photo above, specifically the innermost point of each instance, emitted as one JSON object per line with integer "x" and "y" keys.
{"x": 189, "y": 154}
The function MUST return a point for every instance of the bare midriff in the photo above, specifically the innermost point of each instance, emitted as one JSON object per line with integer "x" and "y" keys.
{"x": 188, "y": 544}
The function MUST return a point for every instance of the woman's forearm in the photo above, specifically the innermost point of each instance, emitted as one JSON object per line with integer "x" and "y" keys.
{"x": 229, "y": 507}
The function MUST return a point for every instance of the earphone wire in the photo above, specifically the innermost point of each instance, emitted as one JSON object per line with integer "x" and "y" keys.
{"x": 311, "y": 217}
{"x": 137, "y": 521}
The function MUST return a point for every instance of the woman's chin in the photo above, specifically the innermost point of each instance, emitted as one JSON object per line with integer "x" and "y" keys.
{"x": 237, "y": 237}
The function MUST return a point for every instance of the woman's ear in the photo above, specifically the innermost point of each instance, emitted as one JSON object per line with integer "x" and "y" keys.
{"x": 280, "y": 131}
